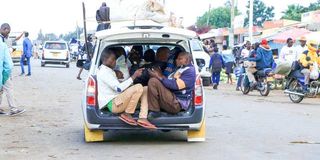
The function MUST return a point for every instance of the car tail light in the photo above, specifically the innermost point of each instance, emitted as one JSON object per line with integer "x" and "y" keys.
{"x": 198, "y": 93}
{"x": 91, "y": 92}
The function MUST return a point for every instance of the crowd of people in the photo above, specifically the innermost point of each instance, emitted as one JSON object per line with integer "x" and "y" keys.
{"x": 251, "y": 58}
{"x": 158, "y": 84}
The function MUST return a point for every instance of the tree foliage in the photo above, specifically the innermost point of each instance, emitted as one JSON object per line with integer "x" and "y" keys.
{"x": 218, "y": 18}
{"x": 261, "y": 13}
{"x": 53, "y": 37}
{"x": 294, "y": 11}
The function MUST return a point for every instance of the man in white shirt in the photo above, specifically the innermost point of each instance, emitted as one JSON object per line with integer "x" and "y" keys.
{"x": 302, "y": 47}
{"x": 245, "y": 52}
{"x": 121, "y": 98}
{"x": 287, "y": 56}
{"x": 288, "y": 53}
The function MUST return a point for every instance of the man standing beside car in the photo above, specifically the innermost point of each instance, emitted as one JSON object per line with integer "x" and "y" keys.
{"x": 174, "y": 93}
{"x": 27, "y": 53}
{"x": 6, "y": 66}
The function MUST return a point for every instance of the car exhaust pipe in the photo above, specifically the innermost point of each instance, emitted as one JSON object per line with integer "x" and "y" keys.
{"x": 295, "y": 93}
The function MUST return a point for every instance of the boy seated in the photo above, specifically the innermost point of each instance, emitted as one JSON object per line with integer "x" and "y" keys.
{"x": 174, "y": 93}
{"x": 121, "y": 98}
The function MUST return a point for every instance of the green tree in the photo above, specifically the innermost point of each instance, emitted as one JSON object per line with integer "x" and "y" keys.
{"x": 218, "y": 17}
{"x": 261, "y": 13}
{"x": 40, "y": 36}
{"x": 73, "y": 34}
{"x": 314, "y": 6}
{"x": 293, "y": 12}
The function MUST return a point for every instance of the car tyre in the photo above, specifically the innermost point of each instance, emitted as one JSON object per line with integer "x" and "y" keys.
{"x": 198, "y": 135}
{"x": 92, "y": 135}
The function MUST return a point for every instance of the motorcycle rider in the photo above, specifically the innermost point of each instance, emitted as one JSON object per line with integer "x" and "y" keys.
{"x": 307, "y": 58}
{"x": 264, "y": 59}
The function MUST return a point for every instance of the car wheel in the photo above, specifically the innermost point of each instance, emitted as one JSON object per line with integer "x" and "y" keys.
{"x": 198, "y": 135}
{"x": 68, "y": 65}
{"x": 92, "y": 136}
{"x": 206, "y": 81}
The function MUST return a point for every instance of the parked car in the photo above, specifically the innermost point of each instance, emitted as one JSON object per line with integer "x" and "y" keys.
{"x": 16, "y": 48}
{"x": 16, "y": 53}
{"x": 98, "y": 122}
{"x": 55, "y": 52}
{"x": 202, "y": 60}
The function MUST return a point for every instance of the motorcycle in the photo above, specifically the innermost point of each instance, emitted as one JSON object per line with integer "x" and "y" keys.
{"x": 263, "y": 78}
{"x": 296, "y": 84}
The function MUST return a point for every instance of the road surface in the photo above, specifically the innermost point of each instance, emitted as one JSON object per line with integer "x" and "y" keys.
{"x": 238, "y": 126}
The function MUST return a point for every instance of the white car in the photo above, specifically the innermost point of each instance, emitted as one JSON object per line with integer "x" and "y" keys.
{"x": 55, "y": 52}
{"x": 98, "y": 123}
{"x": 202, "y": 60}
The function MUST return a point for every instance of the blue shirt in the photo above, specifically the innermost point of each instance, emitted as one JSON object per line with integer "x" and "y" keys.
{"x": 264, "y": 58}
{"x": 27, "y": 48}
{"x": 181, "y": 83}
{"x": 227, "y": 56}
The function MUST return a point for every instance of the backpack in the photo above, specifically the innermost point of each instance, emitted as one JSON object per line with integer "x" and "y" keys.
{"x": 216, "y": 63}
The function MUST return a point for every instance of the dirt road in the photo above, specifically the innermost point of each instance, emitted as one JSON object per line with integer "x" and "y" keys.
{"x": 238, "y": 127}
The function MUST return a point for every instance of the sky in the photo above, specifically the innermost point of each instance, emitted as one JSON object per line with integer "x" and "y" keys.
{"x": 62, "y": 16}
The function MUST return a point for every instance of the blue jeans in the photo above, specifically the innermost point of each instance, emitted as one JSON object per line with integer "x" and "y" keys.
{"x": 28, "y": 63}
{"x": 215, "y": 77}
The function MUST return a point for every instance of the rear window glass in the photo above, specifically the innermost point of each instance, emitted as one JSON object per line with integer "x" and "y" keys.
{"x": 57, "y": 46}
{"x": 195, "y": 45}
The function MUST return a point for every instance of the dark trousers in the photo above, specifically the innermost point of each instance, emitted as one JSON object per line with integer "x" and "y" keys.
{"x": 103, "y": 26}
{"x": 215, "y": 77}
{"x": 159, "y": 97}
{"x": 28, "y": 63}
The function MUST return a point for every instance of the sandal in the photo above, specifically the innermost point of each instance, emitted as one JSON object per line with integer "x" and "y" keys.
{"x": 2, "y": 111}
{"x": 129, "y": 120}
{"x": 146, "y": 124}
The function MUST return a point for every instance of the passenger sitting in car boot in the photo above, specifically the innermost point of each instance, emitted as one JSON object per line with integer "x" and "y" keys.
{"x": 162, "y": 56}
{"x": 119, "y": 97}
{"x": 174, "y": 93}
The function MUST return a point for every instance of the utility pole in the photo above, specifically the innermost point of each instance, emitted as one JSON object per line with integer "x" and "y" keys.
{"x": 251, "y": 21}
{"x": 208, "y": 15}
{"x": 231, "y": 31}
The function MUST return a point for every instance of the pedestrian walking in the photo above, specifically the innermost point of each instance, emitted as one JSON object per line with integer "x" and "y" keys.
{"x": 229, "y": 60}
{"x": 103, "y": 17}
{"x": 216, "y": 65}
{"x": 27, "y": 53}
{"x": 6, "y": 66}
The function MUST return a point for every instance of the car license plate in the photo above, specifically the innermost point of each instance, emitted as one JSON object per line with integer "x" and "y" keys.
{"x": 270, "y": 79}
{"x": 55, "y": 54}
